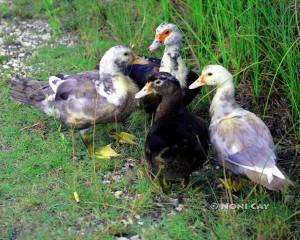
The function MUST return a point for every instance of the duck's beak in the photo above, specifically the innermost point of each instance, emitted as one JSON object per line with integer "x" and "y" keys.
{"x": 146, "y": 90}
{"x": 137, "y": 59}
{"x": 198, "y": 83}
{"x": 155, "y": 44}
{"x": 159, "y": 39}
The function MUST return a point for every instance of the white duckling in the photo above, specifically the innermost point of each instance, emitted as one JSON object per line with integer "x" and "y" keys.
{"x": 242, "y": 141}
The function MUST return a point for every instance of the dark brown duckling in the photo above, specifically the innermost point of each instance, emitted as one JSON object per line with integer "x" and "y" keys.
{"x": 177, "y": 142}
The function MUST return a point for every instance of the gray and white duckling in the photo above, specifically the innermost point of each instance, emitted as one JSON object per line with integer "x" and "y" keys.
{"x": 242, "y": 141}
{"x": 169, "y": 35}
{"x": 83, "y": 99}
{"x": 177, "y": 142}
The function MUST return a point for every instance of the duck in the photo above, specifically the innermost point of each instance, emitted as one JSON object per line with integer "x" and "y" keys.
{"x": 177, "y": 142}
{"x": 83, "y": 99}
{"x": 241, "y": 140}
{"x": 169, "y": 35}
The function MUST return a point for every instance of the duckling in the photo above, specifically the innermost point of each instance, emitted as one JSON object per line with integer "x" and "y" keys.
{"x": 242, "y": 141}
{"x": 83, "y": 99}
{"x": 170, "y": 36}
{"x": 177, "y": 142}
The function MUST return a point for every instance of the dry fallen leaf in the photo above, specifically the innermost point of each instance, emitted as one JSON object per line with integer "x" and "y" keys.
{"x": 123, "y": 137}
{"x": 105, "y": 152}
{"x": 76, "y": 197}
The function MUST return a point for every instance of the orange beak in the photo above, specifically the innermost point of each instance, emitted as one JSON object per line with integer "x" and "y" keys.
{"x": 146, "y": 90}
{"x": 198, "y": 83}
{"x": 155, "y": 44}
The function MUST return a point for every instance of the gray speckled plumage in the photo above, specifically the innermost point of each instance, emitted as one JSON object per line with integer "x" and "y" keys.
{"x": 78, "y": 103}
{"x": 82, "y": 99}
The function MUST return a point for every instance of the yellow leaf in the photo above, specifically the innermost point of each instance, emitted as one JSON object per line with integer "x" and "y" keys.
{"x": 123, "y": 137}
{"x": 105, "y": 152}
{"x": 76, "y": 197}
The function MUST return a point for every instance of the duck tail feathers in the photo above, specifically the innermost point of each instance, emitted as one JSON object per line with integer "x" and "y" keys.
{"x": 273, "y": 179}
{"x": 29, "y": 91}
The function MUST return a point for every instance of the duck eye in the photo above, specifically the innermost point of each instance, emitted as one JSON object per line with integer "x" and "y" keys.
{"x": 158, "y": 82}
{"x": 167, "y": 32}
{"x": 126, "y": 54}
{"x": 209, "y": 74}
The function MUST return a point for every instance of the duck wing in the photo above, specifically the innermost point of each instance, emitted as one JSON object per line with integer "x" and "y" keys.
{"x": 190, "y": 94}
{"x": 245, "y": 145}
{"x": 78, "y": 104}
{"x": 140, "y": 73}
{"x": 75, "y": 88}
{"x": 86, "y": 75}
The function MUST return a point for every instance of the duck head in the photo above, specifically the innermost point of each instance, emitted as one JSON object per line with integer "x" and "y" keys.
{"x": 117, "y": 58}
{"x": 161, "y": 83}
{"x": 166, "y": 34}
{"x": 214, "y": 75}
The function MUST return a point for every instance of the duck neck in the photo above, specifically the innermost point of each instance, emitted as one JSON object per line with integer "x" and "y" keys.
{"x": 114, "y": 85}
{"x": 107, "y": 73}
{"x": 174, "y": 64}
{"x": 170, "y": 105}
{"x": 108, "y": 67}
{"x": 223, "y": 102}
